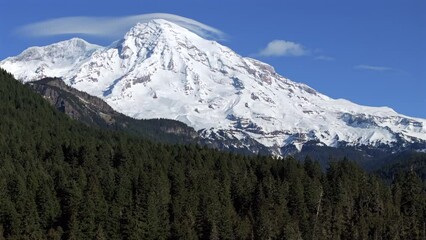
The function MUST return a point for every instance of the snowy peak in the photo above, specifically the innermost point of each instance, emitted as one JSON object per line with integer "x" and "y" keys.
{"x": 162, "y": 70}
{"x": 169, "y": 44}
{"x": 74, "y": 46}
{"x": 53, "y": 60}
{"x": 155, "y": 28}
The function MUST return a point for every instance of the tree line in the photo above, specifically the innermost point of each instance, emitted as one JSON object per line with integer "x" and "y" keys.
{"x": 62, "y": 180}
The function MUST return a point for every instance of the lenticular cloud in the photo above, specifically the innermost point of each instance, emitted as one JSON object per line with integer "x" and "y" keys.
{"x": 112, "y": 27}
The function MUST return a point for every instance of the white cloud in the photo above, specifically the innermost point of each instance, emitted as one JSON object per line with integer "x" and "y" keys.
{"x": 373, "y": 68}
{"x": 324, "y": 58}
{"x": 279, "y": 48}
{"x": 112, "y": 27}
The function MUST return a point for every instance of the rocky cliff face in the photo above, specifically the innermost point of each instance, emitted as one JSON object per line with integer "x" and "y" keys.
{"x": 161, "y": 70}
{"x": 93, "y": 111}
{"x": 76, "y": 104}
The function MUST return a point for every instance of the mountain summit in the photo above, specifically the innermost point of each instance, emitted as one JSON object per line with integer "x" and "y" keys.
{"x": 162, "y": 70}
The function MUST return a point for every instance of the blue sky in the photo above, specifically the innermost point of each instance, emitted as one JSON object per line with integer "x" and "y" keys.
{"x": 370, "y": 52}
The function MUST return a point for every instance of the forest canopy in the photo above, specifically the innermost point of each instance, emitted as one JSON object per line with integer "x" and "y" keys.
{"x": 62, "y": 180}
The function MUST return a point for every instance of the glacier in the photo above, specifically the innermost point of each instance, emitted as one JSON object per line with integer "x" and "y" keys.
{"x": 162, "y": 70}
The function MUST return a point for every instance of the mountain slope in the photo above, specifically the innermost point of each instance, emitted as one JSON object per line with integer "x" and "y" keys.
{"x": 93, "y": 111}
{"x": 54, "y": 60}
{"x": 161, "y": 70}
{"x": 403, "y": 163}
{"x": 62, "y": 180}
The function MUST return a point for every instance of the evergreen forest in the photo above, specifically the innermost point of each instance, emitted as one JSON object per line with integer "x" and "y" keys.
{"x": 60, "y": 179}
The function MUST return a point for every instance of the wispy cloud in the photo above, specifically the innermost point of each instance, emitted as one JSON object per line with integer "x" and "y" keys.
{"x": 324, "y": 58}
{"x": 278, "y": 48}
{"x": 112, "y": 27}
{"x": 373, "y": 68}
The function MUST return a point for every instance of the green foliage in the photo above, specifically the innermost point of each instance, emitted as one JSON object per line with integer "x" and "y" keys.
{"x": 95, "y": 113}
{"x": 62, "y": 180}
{"x": 402, "y": 163}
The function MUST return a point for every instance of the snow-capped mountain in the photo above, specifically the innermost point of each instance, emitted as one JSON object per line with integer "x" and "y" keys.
{"x": 162, "y": 70}
{"x": 58, "y": 59}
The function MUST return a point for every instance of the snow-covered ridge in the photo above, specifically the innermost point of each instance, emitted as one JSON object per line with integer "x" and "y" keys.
{"x": 53, "y": 60}
{"x": 161, "y": 70}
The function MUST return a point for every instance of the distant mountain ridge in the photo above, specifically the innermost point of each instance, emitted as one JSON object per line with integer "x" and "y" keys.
{"x": 161, "y": 70}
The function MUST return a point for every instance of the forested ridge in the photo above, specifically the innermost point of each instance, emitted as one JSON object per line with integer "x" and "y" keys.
{"x": 95, "y": 113}
{"x": 404, "y": 162}
{"x": 62, "y": 180}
